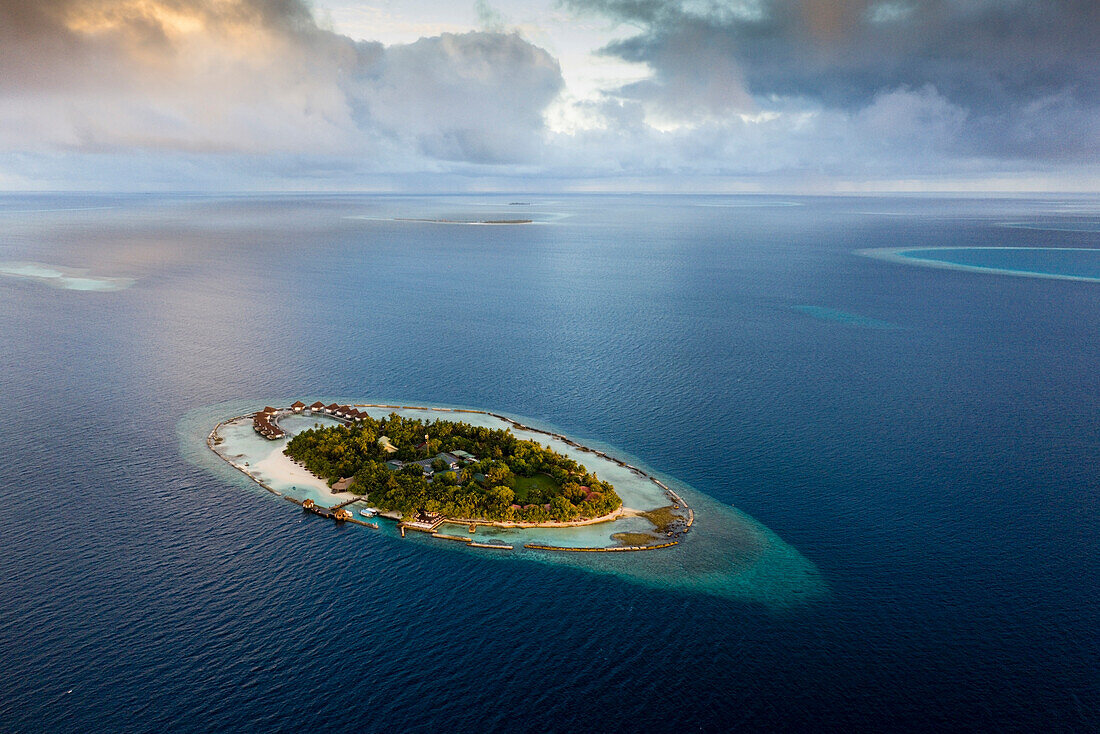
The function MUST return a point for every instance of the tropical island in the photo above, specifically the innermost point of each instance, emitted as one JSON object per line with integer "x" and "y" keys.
{"x": 453, "y": 469}
{"x": 502, "y": 482}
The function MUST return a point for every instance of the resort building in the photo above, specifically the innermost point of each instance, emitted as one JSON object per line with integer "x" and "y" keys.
{"x": 264, "y": 424}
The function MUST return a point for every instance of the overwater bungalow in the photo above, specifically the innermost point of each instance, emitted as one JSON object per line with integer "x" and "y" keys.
{"x": 331, "y": 409}
{"x": 261, "y": 423}
{"x": 297, "y": 406}
{"x": 317, "y": 407}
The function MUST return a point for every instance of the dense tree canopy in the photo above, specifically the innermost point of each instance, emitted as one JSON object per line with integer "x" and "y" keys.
{"x": 511, "y": 479}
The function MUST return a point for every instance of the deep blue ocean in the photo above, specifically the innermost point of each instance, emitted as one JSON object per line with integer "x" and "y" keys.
{"x": 928, "y": 439}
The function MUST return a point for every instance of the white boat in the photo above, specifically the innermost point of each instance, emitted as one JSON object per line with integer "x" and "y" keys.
{"x": 369, "y": 512}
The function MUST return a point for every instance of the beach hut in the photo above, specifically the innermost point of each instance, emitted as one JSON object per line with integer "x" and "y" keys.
{"x": 341, "y": 515}
{"x": 343, "y": 484}
{"x": 308, "y": 505}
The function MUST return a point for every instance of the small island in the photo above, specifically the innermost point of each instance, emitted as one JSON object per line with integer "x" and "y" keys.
{"x": 423, "y": 469}
{"x": 464, "y": 221}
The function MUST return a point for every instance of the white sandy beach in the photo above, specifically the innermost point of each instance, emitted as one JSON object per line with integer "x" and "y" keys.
{"x": 278, "y": 469}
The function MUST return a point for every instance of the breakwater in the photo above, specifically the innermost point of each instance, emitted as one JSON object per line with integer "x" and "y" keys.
{"x": 609, "y": 549}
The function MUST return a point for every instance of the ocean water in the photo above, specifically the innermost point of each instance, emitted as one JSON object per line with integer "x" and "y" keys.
{"x": 940, "y": 475}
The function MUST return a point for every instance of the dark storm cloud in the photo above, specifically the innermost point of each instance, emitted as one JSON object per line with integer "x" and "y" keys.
{"x": 1024, "y": 71}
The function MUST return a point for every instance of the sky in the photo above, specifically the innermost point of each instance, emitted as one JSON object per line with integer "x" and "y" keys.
{"x": 812, "y": 96}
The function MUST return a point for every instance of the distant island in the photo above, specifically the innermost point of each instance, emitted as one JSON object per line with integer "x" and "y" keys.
{"x": 453, "y": 469}
{"x": 464, "y": 221}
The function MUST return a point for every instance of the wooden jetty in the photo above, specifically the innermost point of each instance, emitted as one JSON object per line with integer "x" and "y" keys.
{"x": 459, "y": 538}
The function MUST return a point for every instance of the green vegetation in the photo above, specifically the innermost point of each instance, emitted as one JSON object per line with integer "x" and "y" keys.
{"x": 662, "y": 518}
{"x": 630, "y": 539}
{"x": 504, "y": 478}
{"x": 530, "y": 490}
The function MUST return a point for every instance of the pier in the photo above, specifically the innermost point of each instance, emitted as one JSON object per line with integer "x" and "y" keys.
{"x": 459, "y": 538}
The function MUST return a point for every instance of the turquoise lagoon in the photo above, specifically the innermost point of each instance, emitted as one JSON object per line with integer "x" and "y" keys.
{"x": 843, "y": 317}
{"x": 61, "y": 277}
{"x": 1063, "y": 263}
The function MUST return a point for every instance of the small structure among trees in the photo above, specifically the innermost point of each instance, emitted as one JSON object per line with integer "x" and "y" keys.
{"x": 433, "y": 467}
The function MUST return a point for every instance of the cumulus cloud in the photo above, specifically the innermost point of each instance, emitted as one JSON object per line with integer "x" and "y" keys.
{"x": 255, "y": 93}
{"x": 260, "y": 77}
{"x": 1015, "y": 78}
